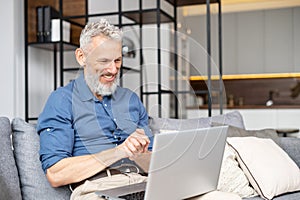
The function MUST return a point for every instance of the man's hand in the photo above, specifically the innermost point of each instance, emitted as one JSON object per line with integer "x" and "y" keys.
{"x": 135, "y": 144}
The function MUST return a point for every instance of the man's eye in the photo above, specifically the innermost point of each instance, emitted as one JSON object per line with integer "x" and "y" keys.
{"x": 103, "y": 61}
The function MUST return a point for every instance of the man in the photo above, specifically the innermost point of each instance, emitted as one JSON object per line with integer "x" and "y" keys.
{"x": 92, "y": 125}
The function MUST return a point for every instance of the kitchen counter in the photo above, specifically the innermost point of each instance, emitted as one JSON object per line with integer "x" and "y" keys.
{"x": 248, "y": 107}
{"x": 257, "y": 116}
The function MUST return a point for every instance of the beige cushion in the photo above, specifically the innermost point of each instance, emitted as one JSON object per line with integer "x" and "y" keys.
{"x": 232, "y": 178}
{"x": 269, "y": 169}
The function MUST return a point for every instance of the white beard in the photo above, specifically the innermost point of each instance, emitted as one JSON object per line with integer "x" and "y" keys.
{"x": 99, "y": 88}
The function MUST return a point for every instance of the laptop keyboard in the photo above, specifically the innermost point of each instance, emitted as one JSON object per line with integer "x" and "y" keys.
{"x": 134, "y": 196}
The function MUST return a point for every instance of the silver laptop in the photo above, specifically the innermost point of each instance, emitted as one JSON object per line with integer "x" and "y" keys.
{"x": 183, "y": 164}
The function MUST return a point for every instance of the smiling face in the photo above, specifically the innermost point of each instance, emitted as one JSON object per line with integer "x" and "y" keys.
{"x": 102, "y": 61}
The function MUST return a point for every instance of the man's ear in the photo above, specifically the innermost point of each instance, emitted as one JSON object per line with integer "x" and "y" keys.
{"x": 80, "y": 57}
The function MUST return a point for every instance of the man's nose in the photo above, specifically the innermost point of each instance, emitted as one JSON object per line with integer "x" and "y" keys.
{"x": 112, "y": 68}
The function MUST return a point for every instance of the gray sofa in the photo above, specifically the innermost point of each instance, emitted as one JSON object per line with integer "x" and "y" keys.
{"x": 21, "y": 176}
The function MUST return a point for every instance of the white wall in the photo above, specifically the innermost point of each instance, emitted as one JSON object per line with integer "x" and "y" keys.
{"x": 11, "y": 55}
{"x": 264, "y": 41}
{"x": 7, "y": 66}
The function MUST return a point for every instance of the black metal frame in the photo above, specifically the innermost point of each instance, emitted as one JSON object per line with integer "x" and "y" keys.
{"x": 26, "y": 60}
{"x": 208, "y": 34}
{"x": 61, "y": 45}
{"x": 56, "y": 47}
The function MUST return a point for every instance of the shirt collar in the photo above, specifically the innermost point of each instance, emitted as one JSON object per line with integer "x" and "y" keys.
{"x": 85, "y": 94}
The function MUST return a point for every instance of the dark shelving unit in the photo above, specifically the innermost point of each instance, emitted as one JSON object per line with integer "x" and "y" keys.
{"x": 66, "y": 9}
{"x": 52, "y": 46}
{"x": 76, "y": 12}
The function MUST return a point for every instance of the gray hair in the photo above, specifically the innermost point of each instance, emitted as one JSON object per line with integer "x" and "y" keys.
{"x": 101, "y": 27}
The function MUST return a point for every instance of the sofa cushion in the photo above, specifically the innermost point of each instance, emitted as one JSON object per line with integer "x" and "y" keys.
{"x": 269, "y": 169}
{"x": 9, "y": 178}
{"x": 291, "y": 146}
{"x": 34, "y": 184}
{"x": 217, "y": 195}
{"x": 262, "y": 133}
{"x": 232, "y": 118}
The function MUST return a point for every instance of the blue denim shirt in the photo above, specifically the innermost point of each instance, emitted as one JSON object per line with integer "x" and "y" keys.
{"x": 74, "y": 122}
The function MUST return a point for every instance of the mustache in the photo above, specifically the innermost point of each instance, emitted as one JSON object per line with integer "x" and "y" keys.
{"x": 104, "y": 73}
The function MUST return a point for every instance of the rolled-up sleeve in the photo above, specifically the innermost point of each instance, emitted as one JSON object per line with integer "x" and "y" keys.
{"x": 143, "y": 120}
{"x": 55, "y": 129}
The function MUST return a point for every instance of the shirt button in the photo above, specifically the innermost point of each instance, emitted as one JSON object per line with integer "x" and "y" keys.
{"x": 115, "y": 119}
{"x": 48, "y": 129}
{"x": 105, "y": 105}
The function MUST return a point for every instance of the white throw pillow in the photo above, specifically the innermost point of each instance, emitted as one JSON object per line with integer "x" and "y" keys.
{"x": 269, "y": 168}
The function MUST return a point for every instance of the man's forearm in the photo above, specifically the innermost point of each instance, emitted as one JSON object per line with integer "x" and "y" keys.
{"x": 75, "y": 169}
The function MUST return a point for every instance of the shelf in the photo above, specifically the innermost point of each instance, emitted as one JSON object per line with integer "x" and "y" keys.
{"x": 70, "y": 8}
{"x": 125, "y": 69}
{"x": 129, "y": 69}
{"x": 178, "y": 92}
{"x": 258, "y": 88}
{"x": 53, "y": 46}
{"x": 72, "y": 69}
{"x": 248, "y": 76}
{"x": 190, "y": 2}
{"x": 149, "y": 16}
{"x": 247, "y": 107}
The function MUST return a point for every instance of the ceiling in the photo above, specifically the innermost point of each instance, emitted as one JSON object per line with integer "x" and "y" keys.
{"x": 241, "y": 5}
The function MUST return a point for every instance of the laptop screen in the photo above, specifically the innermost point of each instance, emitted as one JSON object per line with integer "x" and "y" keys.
{"x": 186, "y": 163}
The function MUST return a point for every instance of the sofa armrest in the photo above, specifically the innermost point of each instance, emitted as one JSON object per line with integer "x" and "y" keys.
{"x": 291, "y": 146}
{"x": 9, "y": 179}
